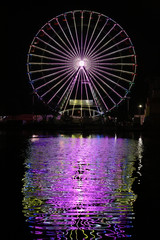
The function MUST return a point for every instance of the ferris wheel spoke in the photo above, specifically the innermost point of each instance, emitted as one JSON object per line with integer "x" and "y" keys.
{"x": 64, "y": 97}
{"x": 86, "y": 36}
{"x": 94, "y": 29}
{"x": 105, "y": 44}
{"x": 85, "y": 84}
{"x": 53, "y": 96}
{"x": 70, "y": 32}
{"x": 50, "y": 75}
{"x": 119, "y": 51}
{"x": 114, "y": 64}
{"x": 42, "y": 49}
{"x": 103, "y": 59}
{"x": 45, "y": 93}
{"x": 75, "y": 96}
{"x": 76, "y": 33}
{"x": 96, "y": 75}
{"x": 59, "y": 37}
{"x": 81, "y": 95}
{"x": 69, "y": 76}
{"x": 50, "y": 52}
{"x": 45, "y": 57}
{"x": 73, "y": 50}
{"x": 109, "y": 48}
{"x": 90, "y": 80}
{"x": 66, "y": 51}
{"x": 65, "y": 93}
{"x": 88, "y": 100}
{"x": 82, "y": 33}
{"x": 92, "y": 50}
{"x": 103, "y": 88}
{"x": 72, "y": 87}
{"x": 48, "y": 63}
{"x": 63, "y": 55}
{"x": 93, "y": 93}
{"x": 116, "y": 70}
{"x": 113, "y": 75}
{"x": 51, "y": 81}
{"x": 49, "y": 69}
{"x": 108, "y": 79}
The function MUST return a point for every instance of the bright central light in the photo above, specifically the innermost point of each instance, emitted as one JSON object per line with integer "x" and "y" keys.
{"x": 81, "y": 63}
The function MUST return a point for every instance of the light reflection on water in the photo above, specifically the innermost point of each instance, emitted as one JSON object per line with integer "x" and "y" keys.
{"x": 79, "y": 188}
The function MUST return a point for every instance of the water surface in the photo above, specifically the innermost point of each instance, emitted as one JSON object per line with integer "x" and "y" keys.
{"x": 77, "y": 187}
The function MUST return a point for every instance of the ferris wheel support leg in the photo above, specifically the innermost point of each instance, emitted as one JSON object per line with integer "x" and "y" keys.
{"x": 75, "y": 97}
{"x": 72, "y": 87}
{"x": 94, "y": 87}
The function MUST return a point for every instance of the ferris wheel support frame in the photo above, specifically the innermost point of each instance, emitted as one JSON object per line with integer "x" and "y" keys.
{"x": 81, "y": 55}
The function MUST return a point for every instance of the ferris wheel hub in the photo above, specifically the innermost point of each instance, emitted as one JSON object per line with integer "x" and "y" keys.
{"x": 81, "y": 63}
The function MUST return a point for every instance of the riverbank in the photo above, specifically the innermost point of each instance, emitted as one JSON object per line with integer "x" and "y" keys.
{"x": 81, "y": 127}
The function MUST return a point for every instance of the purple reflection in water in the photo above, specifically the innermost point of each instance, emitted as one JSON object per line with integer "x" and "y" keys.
{"x": 75, "y": 184}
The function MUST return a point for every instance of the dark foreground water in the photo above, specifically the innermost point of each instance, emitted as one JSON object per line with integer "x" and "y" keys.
{"x": 81, "y": 187}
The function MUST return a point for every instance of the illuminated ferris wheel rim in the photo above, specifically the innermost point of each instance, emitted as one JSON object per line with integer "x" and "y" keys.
{"x": 76, "y": 51}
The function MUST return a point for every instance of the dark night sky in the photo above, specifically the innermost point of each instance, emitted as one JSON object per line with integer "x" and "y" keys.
{"x": 21, "y": 22}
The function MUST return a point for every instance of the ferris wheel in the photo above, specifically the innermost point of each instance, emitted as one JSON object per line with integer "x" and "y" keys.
{"x": 81, "y": 63}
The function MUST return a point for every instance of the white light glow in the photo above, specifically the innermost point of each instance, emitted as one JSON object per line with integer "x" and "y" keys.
{"x": 81, "y": 63}
{"x": 78, "y": 62}
{"x": 140, "y": 106}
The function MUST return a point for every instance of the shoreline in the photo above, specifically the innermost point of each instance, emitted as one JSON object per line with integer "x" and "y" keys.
{"x": 84, "y": 128}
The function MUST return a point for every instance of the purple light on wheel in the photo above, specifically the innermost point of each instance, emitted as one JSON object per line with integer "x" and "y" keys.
{"x": 90, "y": 41}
